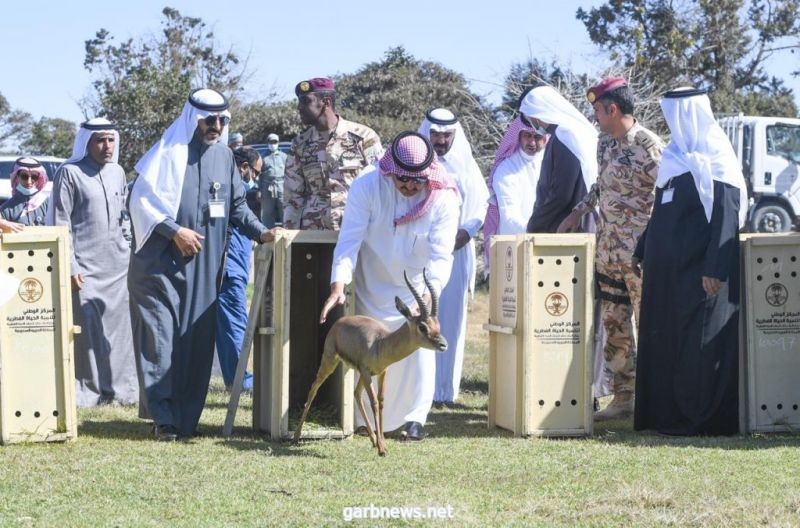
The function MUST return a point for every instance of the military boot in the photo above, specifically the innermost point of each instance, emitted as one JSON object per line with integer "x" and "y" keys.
{"x": 620, "y": 408}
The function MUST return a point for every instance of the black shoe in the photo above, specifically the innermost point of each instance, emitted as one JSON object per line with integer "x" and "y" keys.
{"x": 438, "y": 404}
{"x": 165, "y": 433}
{"x": 413, "y": 431}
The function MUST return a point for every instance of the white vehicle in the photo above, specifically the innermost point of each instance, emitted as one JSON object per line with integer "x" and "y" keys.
{"x": 49, "y": 163}
{"x": 769, "y": 150}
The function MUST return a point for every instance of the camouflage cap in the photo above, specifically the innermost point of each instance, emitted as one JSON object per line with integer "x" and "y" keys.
{"x": 317, "y": 84}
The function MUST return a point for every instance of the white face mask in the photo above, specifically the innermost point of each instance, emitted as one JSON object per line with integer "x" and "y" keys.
{"x": 272, "y": 147}
{"x": 25, "y": 190}
{"x": 249, "y": 185}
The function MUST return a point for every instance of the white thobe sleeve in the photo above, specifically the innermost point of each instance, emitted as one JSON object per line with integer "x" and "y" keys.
{"x": 355, "y": 221}
{"x": 473, "y": 210}
{"x": 443, "y": 231}
{"x": 506, "y": 189}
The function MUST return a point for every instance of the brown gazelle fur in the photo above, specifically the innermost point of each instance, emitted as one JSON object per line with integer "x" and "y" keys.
{"x": 368, "y": 346}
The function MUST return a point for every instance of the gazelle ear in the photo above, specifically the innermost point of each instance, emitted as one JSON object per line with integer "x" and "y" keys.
{"x": 402, "y": 308}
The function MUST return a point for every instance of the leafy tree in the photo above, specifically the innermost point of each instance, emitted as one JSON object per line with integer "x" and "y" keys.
{"x": 256, "y": 120}
{"x": 142, "y": 84}
{"x": 390, "y": 96}
{"x": 393, "y": 94}
{"x": 533, "y": 72}
{"x": 723, "y": 44}
{"x": 573, "y": 86}
{"x": 51, "y": 137}
{"x": 13, "y": 123}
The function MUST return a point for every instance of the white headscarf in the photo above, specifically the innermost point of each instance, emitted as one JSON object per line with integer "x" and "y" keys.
{"x": 85, "y": 132}
{"x": 700, "y": 146}
{"x": 79, "y": 151}
{"x": 466, "y": 173}
{"x": 459, "y": 157}
{"x": 574, "y": 130}
{"x": 443, "y": 120}
{"x": 156, "y": 194}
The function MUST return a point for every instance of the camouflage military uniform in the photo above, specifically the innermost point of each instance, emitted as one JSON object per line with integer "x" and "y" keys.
{"x": 624, "y": 193}
{"x": 320, "y": 169}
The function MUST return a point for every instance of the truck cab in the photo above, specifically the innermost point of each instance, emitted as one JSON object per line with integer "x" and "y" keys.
{"x": 769, "y": 151}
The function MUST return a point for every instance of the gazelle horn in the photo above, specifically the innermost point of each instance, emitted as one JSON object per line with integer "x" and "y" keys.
{"x": 434, "y": 297}
{"x": 423, "y": 308}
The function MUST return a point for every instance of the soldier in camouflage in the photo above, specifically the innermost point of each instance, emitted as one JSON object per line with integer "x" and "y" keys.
{"x": 628, "y": 156}
{"x": 324, "y": 160}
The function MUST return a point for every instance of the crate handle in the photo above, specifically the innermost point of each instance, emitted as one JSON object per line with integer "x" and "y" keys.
{"x": 500, "y": 329}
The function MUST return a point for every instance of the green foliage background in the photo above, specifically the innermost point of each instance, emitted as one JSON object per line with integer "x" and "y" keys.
{"x": 142, "y": 83}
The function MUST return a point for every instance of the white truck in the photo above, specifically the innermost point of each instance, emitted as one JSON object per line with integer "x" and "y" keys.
{"x": 769, "y": 150}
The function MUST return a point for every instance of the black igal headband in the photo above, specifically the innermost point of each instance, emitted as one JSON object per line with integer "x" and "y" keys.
{"x": 443, "y": 122}
{"x": 407, "y": 166}
{"x": 208, "y": 107}
{"x": 27, "y": 164}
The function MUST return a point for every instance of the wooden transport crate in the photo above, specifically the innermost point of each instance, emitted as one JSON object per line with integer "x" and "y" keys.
{"x": 289, "y": 339}
{"x": 769, "y": 351}
{"x": 541, "y": 335}
{"x": 37, "y": 373}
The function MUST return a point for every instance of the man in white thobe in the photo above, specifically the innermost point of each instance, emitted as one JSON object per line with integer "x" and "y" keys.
{"x": 400, "y": 216}
{"x": 512, "y": 181}
{"x": 452, "y": 148}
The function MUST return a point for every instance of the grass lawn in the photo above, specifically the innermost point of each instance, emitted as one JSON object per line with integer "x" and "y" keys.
{"x": 114, "y": 475}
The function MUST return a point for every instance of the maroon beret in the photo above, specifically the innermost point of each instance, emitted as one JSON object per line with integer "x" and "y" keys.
{"x": 317, "y": 84}
{"x": 605, "y": 86}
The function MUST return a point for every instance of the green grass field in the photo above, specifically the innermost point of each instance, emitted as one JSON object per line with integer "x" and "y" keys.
{"x": 115, "y": 475}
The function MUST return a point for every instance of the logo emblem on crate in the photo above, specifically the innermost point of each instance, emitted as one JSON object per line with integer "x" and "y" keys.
{"x": 30, "y": 290}
{"x": 509, "y": 264}
{"x": 777, "y": 294}
{"x": 556, "y": 304}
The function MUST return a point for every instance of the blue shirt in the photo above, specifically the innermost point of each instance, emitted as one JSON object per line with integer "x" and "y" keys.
{"x": 239, "y": 249}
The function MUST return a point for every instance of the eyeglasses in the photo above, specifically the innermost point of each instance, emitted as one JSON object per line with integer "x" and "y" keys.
{"x": 223, "y": 120}
{"x": 25, "y": 176}
{"x": 419, "y": 180}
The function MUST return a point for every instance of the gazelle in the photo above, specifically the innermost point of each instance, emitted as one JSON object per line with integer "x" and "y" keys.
{"x": 368, "y": 346}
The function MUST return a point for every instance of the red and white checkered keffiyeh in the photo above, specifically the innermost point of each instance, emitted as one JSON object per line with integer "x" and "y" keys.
{"x": 412, "y": 149}
{"x": 30, "y": 165}
{"x": 508, "y": 146}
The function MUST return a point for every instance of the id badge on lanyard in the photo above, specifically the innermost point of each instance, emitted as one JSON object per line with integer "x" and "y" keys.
{"x": 667, "y": 194}
{"x": 216, "y": 207}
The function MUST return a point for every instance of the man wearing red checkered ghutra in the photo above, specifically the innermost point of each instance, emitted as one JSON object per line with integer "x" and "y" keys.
{"x": 402, "y": 216}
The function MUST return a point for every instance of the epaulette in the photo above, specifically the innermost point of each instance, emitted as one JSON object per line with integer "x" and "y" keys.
{"x": 647, "y": 138}
{"x": 355, "y": 137}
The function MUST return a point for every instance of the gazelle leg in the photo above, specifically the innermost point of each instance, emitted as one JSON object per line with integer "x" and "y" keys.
{"x": 328, "y": 364}
{"x": 381, "y": 392}
{"x": 374, "y": 401}
{"x": 360, "y": 404}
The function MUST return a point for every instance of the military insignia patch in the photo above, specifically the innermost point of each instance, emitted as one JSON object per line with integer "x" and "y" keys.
{"x": 304, "y": 86}
{"x": 590, "y": 96}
